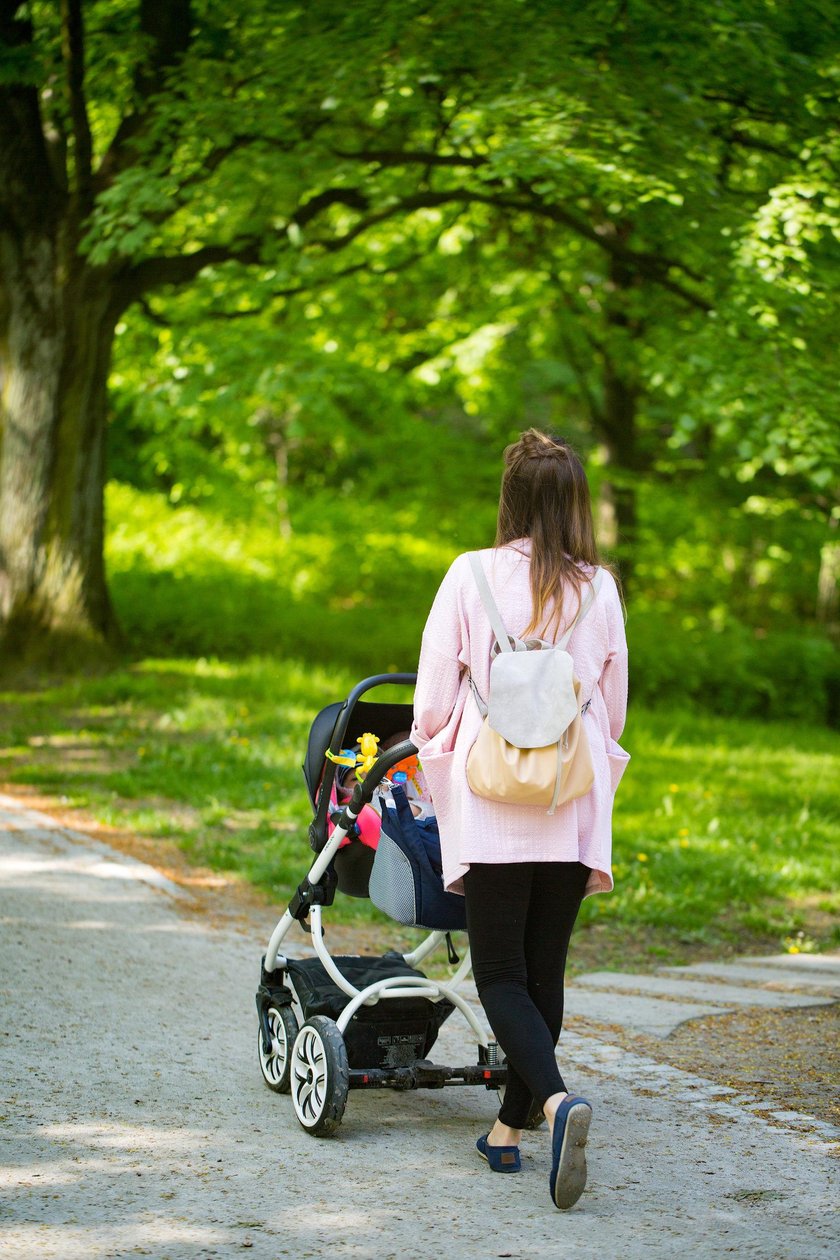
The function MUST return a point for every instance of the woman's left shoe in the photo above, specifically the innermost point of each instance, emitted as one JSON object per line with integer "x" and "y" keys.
{"x": 568, "y": 1149}
{"x": 504, "y": 1159}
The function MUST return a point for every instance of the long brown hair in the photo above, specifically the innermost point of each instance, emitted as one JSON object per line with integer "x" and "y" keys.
{"x": 545, "y": 497}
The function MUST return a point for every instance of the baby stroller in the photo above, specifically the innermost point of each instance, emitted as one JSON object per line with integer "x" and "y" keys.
{"x": 331, "y": 1024}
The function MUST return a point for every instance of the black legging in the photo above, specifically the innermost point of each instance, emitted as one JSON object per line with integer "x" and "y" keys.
{"x": 520, "y": 917}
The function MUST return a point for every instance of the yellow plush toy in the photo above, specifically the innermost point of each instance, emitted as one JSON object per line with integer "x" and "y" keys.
{"x": 368, "y": 752}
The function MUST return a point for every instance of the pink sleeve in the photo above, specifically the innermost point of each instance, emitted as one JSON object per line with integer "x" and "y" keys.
{"x": 613, "y": 680}
{"x": 439, "y": 670}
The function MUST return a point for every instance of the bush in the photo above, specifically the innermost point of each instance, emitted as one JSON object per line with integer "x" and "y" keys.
{"x": 732, "y": 671}
{"x": 354, "y": 584}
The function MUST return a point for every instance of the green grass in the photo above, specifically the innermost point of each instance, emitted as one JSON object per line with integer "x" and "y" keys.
{"x": 725, "y": 830}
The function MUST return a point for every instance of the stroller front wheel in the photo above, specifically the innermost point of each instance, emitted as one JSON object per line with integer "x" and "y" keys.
{"x": 320, "y": 1076}
{"x": 276, "y": 1064}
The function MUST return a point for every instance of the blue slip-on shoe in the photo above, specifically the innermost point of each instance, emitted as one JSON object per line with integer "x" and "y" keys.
{"x": 504, "y": 1159}
{"x": 568, "y": 1149}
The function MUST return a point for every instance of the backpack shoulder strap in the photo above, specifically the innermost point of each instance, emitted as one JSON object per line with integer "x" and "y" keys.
{"x": 585, "y": 605}
{"x": 490, "y": 607}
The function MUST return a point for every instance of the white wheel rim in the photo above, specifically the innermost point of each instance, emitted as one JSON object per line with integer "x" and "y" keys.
{"x": 274, "y": 1063}
{"x": 309, "y": 1076}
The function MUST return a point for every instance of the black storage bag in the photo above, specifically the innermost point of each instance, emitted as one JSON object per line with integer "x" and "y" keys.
{"x": 393, "y": 1033}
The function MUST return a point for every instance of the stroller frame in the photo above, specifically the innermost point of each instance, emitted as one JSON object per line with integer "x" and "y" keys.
{"x": 309, "y": 1058}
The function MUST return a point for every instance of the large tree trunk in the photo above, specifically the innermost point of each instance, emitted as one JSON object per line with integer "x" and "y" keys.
{"x": 618, "y": 433}
{"x": 54, "y": 357}
{"x": 57, "y": 318}
{"x": 614, "y": 416}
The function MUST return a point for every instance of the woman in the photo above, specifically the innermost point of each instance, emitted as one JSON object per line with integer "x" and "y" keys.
{"x": 524, "y": 872}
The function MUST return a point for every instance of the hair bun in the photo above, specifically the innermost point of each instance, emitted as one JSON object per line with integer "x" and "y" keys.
{"x": 534, "y": 443}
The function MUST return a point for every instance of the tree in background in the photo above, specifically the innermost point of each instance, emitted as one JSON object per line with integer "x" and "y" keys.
{"x": 648, "y": 162}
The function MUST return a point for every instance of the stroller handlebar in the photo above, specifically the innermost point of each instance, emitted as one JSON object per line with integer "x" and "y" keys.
{"x": 378, "y": 680}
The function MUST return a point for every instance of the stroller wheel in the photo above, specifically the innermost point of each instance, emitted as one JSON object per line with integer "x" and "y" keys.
{"x": 320, "y": 1076}
{"x": 276, "y": 1066}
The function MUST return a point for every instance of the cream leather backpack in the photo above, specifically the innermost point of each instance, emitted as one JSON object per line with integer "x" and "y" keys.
{"x": 531, "y": 749}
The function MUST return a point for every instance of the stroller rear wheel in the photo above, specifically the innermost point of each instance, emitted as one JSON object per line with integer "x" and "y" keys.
{"x": 276, "y": 1064}
{"x": 320, "y": 1076}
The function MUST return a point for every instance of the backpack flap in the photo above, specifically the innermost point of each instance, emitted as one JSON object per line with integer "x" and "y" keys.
{"x": 533, "y": 697}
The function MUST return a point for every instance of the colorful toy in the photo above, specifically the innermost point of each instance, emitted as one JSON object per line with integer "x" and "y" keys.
{"x": 362, "y": 760}
{"x": 408, "y": 768}
{"x": 347, "y": 757}
{"x": 368, "y": 752}
{"x": 407, "y": 774}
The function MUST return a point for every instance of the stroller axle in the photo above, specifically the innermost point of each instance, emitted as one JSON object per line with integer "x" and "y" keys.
{"x": 423, "y": 1074}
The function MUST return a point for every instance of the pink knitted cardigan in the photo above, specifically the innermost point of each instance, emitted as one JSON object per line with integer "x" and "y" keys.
{"x": 458, "y": 638}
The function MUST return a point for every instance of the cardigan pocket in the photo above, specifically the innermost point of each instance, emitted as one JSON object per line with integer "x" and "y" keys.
{"x": 437, "y": 769}
{"x": 617, "y": 760}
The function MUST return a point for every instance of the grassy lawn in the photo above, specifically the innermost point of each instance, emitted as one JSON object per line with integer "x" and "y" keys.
{"x": 725, "y": 830}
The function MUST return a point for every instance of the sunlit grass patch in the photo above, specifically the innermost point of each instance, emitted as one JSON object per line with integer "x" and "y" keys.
{"x": 724, "y": 827}
{"x": 352, "y": 586}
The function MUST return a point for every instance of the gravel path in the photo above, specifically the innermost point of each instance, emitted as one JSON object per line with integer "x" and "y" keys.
{"x": 135, "y": 1122}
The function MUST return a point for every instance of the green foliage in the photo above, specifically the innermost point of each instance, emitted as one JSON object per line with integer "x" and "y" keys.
{"x": 731, "y": 671}
{"x": 355, "y": 578}
{"x": 635, "y": 191}
{"x": 370, "y": 247}
{"x": 350, "y": 585}
{"x": 723, "y": 613}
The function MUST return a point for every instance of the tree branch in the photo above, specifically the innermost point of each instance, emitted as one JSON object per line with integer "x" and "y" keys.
{"x": 166, "y": 26}
{"x": 739, "y": 101}
{"x": 651, "y": 266}
{"x": 152, "y": 315}
{"x": 404, "y": 157}
{"x": 154, "y": 273}
{"x": 743, "y": 140}
{"x": 321, "y": 283}
{"x": 215, "y": 158}
{"x": 174, "y": 269}
{"x": 73, "y": 52}
{"x": 29, "y": 194}
{"x": 313, "y": 206}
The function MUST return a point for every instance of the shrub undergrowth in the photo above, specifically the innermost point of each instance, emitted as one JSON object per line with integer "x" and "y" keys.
{"x": 354, "y": 582}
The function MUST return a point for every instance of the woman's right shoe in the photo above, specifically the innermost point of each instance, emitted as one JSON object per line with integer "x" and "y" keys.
{"x": 504, "y": 1159}
{"x": 568, "y": 1150}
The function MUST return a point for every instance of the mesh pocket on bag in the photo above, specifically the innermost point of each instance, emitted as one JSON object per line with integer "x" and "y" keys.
{"x": 392, "y": 882}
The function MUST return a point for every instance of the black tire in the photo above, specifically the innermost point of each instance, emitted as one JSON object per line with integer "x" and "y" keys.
{"x": 276, "y": 1065}
{"x": 320, "y": 1076}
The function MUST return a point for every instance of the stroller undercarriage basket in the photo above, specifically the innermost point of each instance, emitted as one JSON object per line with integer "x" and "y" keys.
{"x": 390, "y": 1034}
